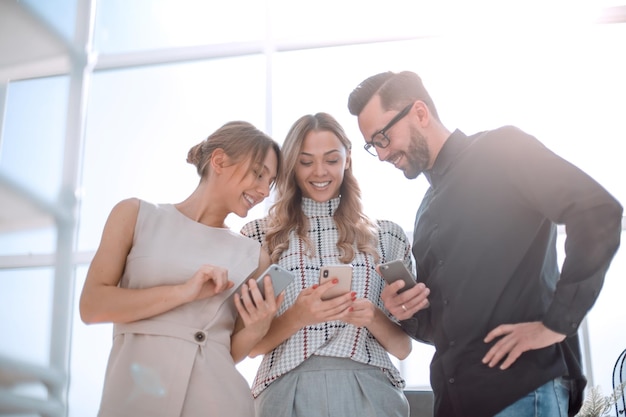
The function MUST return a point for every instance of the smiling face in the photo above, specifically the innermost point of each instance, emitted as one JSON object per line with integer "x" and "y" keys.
{"x": 248, "y": 185}
{"x": 408, "y": 148}
{"x": 321, "y": 164}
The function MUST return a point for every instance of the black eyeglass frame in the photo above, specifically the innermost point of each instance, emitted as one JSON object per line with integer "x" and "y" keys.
{"x": 382, "y": 144}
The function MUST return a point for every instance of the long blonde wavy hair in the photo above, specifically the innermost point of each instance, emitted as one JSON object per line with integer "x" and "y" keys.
{"x": 354, "y": 227}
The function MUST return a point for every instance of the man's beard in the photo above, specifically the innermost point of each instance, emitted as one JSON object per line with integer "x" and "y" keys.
{"x": 418, "y": 155}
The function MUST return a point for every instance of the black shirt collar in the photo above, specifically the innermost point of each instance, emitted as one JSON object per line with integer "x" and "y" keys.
{"x": 452, "y": 147}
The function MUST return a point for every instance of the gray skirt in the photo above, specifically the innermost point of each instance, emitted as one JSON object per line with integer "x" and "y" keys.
{"x": 324, "y": 386}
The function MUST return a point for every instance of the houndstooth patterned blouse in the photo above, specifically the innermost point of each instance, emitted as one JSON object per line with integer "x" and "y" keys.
{"x": 335, "y": 338}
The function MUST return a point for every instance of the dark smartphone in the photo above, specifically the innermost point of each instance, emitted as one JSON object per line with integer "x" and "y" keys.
{"x": 280, "y": 279}
{"x": 395, "y": 270}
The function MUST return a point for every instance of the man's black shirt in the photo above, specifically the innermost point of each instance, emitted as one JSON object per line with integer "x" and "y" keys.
{"x": 485, "y": 245}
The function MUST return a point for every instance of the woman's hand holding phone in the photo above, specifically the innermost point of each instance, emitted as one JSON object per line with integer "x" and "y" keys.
{"x": 259, "y": 299}
{"x": 280, "y": 278}
{"x": 309, "y": 308}
{"x": 343, "y": 276}
{"x": 362, "y": 313}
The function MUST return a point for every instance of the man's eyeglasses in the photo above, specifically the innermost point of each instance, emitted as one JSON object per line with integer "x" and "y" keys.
{"x": 380, "y": 139}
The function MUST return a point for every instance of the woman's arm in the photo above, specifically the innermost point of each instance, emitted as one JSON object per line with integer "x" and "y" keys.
{"x": 103, "y": 301}
{"x": 281, "y": 329}
{"x": 390, "y": 335}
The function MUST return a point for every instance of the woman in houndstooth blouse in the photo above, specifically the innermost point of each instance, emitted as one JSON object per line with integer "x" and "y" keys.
{"x": 328, "y": 357}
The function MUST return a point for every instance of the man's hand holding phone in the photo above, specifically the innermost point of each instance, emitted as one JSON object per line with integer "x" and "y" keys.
{"x": 402, "y": 296}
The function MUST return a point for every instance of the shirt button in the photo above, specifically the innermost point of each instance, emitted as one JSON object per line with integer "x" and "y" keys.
{"x": 199, "y": 336}
{"x": 445, "y": 302}
{"x": 440, "y": 261}
{"x": 452, "y": 343}
{"x": 451, "y": 380}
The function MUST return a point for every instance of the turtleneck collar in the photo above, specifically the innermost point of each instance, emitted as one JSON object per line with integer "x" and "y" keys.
{"x": 312, "y": 208}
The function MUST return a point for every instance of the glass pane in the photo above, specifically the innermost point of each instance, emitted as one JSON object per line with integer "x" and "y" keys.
{"x": 606, "y": 323}
{"x": 36, "y": 241}
{"x": 31, "y": 155}
{"x": 340, "y": 21}
{"x": 33, "y": 136}
{"x": 416, "y": 368}
{"x": 349, "y": 20}
{"x": 142, "y": 122}
{"x": 123, "y": 26}
{"x": 25, "y": 314}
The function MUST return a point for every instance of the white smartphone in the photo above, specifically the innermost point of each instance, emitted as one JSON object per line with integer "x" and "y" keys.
{"x": 343, "y": 273}
{"x": 280, "y": 279}
{"x": 395, "y": 270}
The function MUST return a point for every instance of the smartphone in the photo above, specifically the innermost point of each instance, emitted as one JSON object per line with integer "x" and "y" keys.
{"x": 395, "y": 270}
{"x": 280, "y": 279}
{"x": 343, "y": 273}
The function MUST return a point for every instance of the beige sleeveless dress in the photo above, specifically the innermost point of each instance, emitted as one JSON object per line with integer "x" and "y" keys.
{"x": 179, "y": 363}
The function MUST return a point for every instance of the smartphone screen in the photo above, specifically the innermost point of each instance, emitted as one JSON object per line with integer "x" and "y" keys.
{"x": 343, "y": 273}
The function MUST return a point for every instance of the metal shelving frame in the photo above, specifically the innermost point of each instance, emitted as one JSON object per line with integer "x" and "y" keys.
{"x": 62, "y": 213}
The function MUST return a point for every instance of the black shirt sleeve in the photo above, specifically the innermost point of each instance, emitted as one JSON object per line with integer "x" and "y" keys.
{"x": 592, "y": 217}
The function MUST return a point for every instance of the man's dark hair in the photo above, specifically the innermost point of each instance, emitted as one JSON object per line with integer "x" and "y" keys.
{"x": 396, "y": 90}
{"x": 364, "y": 92}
